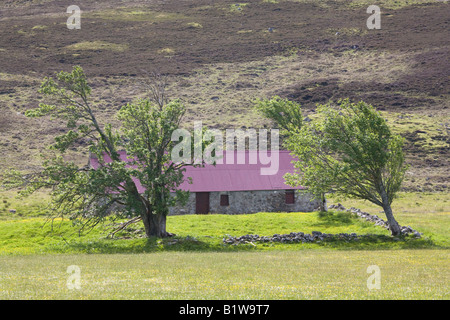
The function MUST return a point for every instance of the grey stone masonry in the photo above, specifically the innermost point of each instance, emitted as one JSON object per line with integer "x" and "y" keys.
{"x": 241, "y": 202}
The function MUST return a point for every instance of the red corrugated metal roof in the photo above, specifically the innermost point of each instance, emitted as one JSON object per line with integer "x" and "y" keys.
{"x": 232, "y": 177}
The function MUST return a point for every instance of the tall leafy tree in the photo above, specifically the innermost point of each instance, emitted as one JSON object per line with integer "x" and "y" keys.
{"x": 137, "y": 153}
{"x": 288, "y": 117}
{"x": 349, "y": 149}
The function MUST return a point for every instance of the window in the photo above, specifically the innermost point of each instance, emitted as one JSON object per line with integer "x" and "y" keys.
{"x": 224, "y": 201}
{"x": 290, "y": 197}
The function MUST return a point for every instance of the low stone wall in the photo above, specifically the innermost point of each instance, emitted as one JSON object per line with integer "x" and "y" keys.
{"x": 295, "y": 237}
{"x": 405, "y": 230}
{"x": 316, "y": 236}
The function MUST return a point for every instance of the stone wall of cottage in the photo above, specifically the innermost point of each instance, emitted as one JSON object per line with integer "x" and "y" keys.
{"x": 251, "y": 202}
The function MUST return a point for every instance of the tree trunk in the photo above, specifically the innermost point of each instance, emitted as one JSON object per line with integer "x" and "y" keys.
{"x": 393, "y": 224}
{"x": 323, "y": 203}
{"x": 155, "y": 225}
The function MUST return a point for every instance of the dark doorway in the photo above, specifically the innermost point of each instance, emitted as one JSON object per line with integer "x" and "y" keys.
{"x": 290, "y": 197}
{"x": 202, "y": 202}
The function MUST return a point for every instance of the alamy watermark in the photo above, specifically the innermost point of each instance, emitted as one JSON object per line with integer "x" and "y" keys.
{"x": 189, "y": 147}
{"x": 374, "y": 21}
{"x": 74, "y": 21}
{"x": 374, "y": 280}
{"x": 74, "y": 279}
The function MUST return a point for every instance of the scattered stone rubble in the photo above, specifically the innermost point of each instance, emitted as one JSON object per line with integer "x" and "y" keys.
{"x": 375, "y": 219}
{"x": 293, "y": 237}
{"x": 316, "y": 236}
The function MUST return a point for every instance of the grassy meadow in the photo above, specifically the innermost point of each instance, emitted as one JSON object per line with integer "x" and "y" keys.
{"x": 293, "y": 274}
{"x": 195, "y": 264}
{"x": 28, "y": 231}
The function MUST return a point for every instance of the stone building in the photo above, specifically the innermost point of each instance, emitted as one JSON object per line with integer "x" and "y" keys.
{"x": 241, "y": 188}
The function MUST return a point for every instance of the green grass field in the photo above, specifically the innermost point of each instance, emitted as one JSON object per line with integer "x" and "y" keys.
{"x": 303, "y": 274}
{"x": 195, "y": 264}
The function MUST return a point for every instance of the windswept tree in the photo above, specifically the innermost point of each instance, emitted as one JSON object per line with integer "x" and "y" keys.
{"x": 288, "y": 117}
{"x": 349, "y": 150}
{"x": 144, "y": 183}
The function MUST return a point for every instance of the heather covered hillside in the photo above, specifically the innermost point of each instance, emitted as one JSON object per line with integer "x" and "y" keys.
{"x": 220, "y": 55}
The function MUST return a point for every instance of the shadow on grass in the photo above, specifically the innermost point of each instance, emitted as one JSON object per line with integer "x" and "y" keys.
{"x": 133, "y": 242}
{"x": 334, "y": 218}
{"x": 149, "y": 245}
{"x": 191, "y": 244}
{"x": 379, "y": 242}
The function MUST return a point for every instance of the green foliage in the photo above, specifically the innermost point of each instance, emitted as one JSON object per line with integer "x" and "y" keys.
{"x": 148, "y": 130}
{"x": 68, "y": 97}
{"x": 145, "y": 136}
{"x": 286, "y": 114}
{"x": 349, "y": 150}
